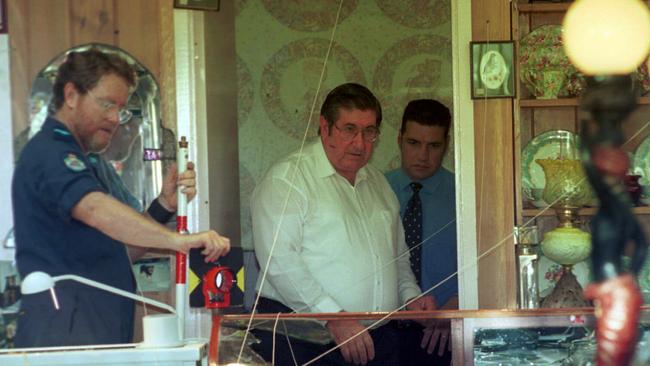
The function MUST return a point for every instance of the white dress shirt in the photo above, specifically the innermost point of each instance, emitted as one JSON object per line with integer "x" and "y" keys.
{"x": 337, "y": 244}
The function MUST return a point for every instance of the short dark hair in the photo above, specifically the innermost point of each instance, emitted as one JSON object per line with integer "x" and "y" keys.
{"x": 84, "y": 69}
{"x": 427, "y": 112}
{"x": 349, "y": 96}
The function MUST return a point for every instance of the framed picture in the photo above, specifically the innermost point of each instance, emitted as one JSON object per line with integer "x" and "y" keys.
{"x": 3, "y": 16}
{"x": 493, "y": 69}
{"x": 214, "y": 5}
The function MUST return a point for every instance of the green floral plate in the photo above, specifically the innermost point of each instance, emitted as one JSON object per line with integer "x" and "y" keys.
{"x": 541, "y": 58}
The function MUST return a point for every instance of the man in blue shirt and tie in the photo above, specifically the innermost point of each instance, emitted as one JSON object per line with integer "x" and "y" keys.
{"x": 426, "y": 194}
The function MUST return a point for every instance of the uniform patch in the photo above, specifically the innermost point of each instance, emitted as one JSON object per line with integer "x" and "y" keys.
{"x": 74, "y": 163}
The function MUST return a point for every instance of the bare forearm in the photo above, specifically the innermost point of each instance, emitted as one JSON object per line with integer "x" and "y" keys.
{"x": 122, "y": 223}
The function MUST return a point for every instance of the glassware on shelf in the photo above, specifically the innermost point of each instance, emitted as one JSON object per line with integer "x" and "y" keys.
{"x": 567, "y": 245}
{"x": 566, "y": 183}
{"x": 566, "y": 190}
{"x": 551, "y": 144}
{"x": 633, "y": 188}
{"x": 527, "y": 247}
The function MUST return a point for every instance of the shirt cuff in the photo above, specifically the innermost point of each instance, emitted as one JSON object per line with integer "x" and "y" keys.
{"x": 327, "y": 305}
{"x": 410, "y": 293}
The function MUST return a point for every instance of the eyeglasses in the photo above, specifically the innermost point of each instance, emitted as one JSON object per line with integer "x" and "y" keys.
{"x": 350, "y": 131}
{"x": 123, "y": 114}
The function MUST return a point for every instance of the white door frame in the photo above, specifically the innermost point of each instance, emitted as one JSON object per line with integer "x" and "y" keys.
{"x": 461, "y": 22}
{"x": 191, "y": 122}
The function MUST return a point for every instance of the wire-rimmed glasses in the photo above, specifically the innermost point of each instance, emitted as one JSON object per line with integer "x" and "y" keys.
{"x": 124, "y": 114}
{"x": 350, "y": 131}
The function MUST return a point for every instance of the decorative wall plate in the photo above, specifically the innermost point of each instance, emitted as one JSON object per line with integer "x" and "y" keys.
{"x": 540, "y": 53}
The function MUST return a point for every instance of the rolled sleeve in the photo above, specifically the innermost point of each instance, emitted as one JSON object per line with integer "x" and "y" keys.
{"x": 63, "y": 186}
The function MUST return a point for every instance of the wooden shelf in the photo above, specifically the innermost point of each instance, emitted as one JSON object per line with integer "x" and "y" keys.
{"x": 563, "y": 102}
{"x": 549, "y": 103}
{"x": 587, "y": 211}
{"x": 543, "y": 7}
{"x": 546, "y": 7}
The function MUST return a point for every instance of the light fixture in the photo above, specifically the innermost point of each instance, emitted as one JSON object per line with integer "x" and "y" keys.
{"x": 607, "y": 40}
{"x": 159, "y": 330}
{"x": 606, "y": 37}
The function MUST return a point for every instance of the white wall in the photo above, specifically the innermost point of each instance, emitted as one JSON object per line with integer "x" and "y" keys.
{"x": 6, "y": 147}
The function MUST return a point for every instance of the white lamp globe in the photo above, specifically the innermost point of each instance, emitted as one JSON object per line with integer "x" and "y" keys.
{"x": 607, "y": 37}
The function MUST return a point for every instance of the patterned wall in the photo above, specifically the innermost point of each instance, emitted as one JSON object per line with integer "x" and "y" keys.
{"x": 401, "y": 50}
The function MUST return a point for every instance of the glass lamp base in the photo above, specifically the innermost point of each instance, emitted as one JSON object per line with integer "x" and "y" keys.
{"x": 567, "y": 293}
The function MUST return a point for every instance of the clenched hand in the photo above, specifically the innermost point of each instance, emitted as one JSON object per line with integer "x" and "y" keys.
{"x": 213, "y": 244}
{"x": 168, "y": 195}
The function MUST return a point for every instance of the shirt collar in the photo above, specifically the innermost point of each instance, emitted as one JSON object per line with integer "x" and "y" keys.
{"x": 58, "y": 129}
{"x": 323, "y": 166}
{"x": 428, "y": 184}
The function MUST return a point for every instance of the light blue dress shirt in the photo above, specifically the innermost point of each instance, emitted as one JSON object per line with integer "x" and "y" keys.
{"x": 439, "y": 258}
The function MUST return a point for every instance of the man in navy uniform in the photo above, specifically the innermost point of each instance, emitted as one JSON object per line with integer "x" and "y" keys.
{"x": 427, "y": 189}
{"x": 67, "y": 223}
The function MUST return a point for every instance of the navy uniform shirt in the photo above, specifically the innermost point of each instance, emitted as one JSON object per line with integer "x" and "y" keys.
{"x": 51, "y": 177}
{"x": 113, "y": 183}
{"x": 439, "y": 258}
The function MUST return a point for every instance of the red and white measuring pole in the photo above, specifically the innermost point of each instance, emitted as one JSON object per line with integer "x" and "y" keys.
{"x": 181, "y": 227}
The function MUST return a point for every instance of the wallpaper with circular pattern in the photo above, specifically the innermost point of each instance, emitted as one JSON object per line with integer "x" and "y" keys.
{"x": 245, "y": 92}
{"x": 290, "y": 79}
{"x": 417, "y": 14}
{"x": 413, "y": 68}
{"x": 401, "y": 50}
{"x": 308, "y": 16}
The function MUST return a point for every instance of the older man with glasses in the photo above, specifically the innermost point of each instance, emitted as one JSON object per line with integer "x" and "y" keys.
{"x": 328, "y": 236}
{"x": 67, "y": 222}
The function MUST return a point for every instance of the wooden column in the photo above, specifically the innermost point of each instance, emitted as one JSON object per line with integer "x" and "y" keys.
{"x": 493, "y": 120}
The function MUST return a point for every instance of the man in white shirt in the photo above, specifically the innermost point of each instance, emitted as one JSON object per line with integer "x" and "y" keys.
{"x": 330, "y": 225}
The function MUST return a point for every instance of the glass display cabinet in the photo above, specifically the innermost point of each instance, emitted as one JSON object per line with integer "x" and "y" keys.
{"x": 482, "y": 337}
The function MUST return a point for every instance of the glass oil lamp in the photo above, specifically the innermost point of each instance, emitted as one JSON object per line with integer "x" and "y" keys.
{"x": 567, "y": 190}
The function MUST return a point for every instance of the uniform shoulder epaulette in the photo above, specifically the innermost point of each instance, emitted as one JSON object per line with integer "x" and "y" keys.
{"x": 61, "y": 134}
